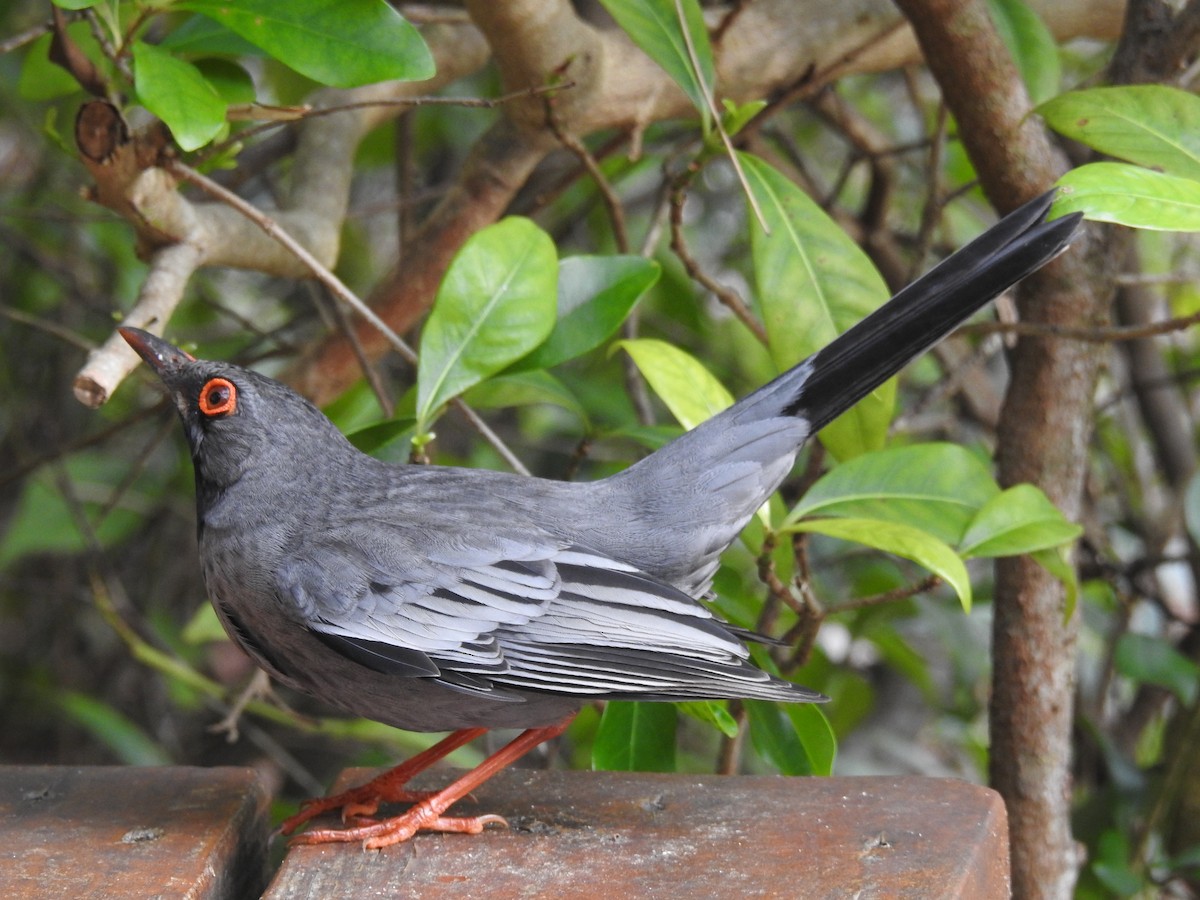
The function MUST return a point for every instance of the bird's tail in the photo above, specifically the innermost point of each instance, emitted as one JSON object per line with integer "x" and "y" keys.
{"x": 727, "y": 466}
{"x": 875, "y": 349}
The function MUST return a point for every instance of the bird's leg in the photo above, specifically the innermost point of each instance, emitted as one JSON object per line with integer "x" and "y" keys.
{"x": 426, "y": 814}
{"x": 386, "y": 788}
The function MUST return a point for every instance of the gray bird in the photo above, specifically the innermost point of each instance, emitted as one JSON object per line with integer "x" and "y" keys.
{"x": 447, "y": 599}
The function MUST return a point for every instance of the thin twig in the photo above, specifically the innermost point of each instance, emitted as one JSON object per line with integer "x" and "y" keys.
{"x": 711, "y": 103}
{"x": 900, "y": 593}
{"x": 338, "y": 289}
{"x": 280, "y": 116}
{"x": 726, "y": 296}
{"x": 1096, "y": 335}
{"x": 616, "y": 213}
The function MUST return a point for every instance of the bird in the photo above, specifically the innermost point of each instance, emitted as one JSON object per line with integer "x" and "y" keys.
{"x": 435, "y": 598}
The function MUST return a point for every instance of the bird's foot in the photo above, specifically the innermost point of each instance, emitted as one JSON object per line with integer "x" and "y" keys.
{"x": 375, "y": 835}
{"x": 389, "y": 787}
{"x": 355, "y": 804}
{"x": 427, "y": 813}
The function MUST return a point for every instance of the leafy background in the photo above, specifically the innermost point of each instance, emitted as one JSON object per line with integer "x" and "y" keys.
{"x": 582, "y": 354}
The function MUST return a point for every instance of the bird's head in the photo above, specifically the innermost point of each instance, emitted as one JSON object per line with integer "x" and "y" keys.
{"x": 236, "y": 421}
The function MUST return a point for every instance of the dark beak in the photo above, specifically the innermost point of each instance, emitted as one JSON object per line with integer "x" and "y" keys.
{"x": 158, "y": 354}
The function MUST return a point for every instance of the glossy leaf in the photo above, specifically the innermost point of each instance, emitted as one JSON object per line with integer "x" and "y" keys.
{"x": 595, "y": 295}
{"x": 813, "y": 282}
{"x": 1031, "y": 44}
{"x": 1020, "y": 520}
{"x": 374, "y": 438}
{"x": 815, "y": 733}
{"x": 176, "y": 92}
{"x": 654, "y": 25}
{"x": 794, "y": 737}
{"x": 203, "y": 627}
{"x": 738, "y": 115}
{"x": 41, "y": 79}
{"x": 901, "y": 540}
{"x": 635, "y": 737}
{"x": 201, "y": 35}
{"x": 688, "y": 389}
{"x": 232, "y": 83}
{"x": 1128, "y": 195}
{"x": 1152, "y": 125}
{"x": 342, "y": 43}
{"x": 524, "y": 389}
{"x": 936, "y": 487}
{"x": 711, "y": 712}
{"x": 495, "y": 304}
{"x": 1150, "y": 660}
{"x": 1057, "y": 561}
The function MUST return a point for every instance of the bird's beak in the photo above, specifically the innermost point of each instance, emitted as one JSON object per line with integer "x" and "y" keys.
{"x": 158, "y": 354}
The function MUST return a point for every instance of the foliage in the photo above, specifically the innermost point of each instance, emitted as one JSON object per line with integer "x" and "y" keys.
{"x": 543, "y": 321}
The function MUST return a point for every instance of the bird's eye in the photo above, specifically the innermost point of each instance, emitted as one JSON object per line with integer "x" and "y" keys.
{"x": 218, "y": 397}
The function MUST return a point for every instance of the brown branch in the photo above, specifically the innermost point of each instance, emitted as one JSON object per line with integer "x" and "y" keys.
{"x": 727, "y": 296}
{"x": 612, "y": 203}
{"x": 1043, "y": 439}
{"x": 1096, "y": 335}
{"x": 895, "y": 594}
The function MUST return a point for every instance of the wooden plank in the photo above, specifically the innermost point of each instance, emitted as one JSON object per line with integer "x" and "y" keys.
{"x": 115, "y": 832}
{"x": 603, "y": 834}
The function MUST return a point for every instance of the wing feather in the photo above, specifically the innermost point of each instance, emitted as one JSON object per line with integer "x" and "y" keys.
{"x": 520, "y": 616}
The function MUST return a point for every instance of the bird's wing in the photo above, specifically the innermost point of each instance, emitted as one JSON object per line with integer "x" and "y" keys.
{"x": 511, "y": 613}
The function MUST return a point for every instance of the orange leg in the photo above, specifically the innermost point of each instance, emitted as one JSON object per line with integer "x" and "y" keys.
{"x": 426, "y": 814}
{"x": 386, "y": 788}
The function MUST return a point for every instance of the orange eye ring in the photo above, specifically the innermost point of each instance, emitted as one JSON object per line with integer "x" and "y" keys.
{"x": 218, "y": 397}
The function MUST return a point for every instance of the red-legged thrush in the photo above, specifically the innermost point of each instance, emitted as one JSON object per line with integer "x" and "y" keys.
{"x": 446, "y": 599}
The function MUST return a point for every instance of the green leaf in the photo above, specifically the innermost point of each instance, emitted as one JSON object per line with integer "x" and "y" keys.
{"x": 688, "y": 389}
{"x": 1057, "y": 561}
{"x": 901, "y": 540}
{"x": 635, "y": 737}
{"x": 936, "y": 487}
{"x": 900, "y": 655}
{"x": 123, "y": 737}
{"x": 1151, "y": 660}
{"x": 44, "y": 522}
{"x": 1128, "y": 195}
{"x": 655, "y": 27}
{"x": 524, "y": 389}
{"x": 203, "y": 627}
{"x": 794, "y": 737}
{"x": 1031, "y": 44}
{"x": 1019, "y": 520}
{"x": 813, "y": 283}
{"x": 231, "y": 82}
{"x": 201, "y": 35}
{"x": 1152, "y": 125}
{"x": 176, "y": 92}
{"x": 496, "y": 303}
{"x": 342, "y": 43}
{"x": 41, "y": 79}
{"x": 595, "y": 295}
{"x": 75, "y": 4}
{"x": 711, "y": 712}
{"x": 374, "y": 438}
{"x": 815, "y": 733}
{"x": 736, "y": 115}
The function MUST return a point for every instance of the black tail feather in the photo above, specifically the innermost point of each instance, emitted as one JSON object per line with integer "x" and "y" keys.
{"x": 919, "y": 316}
